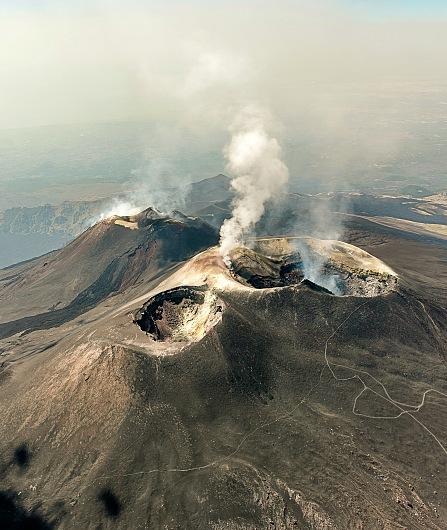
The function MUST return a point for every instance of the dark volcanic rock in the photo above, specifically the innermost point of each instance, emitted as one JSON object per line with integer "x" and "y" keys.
{"x": 311, "y": 285}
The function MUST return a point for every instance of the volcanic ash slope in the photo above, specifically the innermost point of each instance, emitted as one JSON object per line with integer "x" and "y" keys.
{"x": 207, "y": 401}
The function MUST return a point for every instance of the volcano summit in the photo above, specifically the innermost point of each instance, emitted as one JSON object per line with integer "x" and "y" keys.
{"x": 147, "y": 383}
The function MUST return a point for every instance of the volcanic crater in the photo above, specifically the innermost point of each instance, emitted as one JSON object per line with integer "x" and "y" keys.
{"x": 327, "y": 266}
{"x": 180, "y": 314}
{"x": 190, "y": 306}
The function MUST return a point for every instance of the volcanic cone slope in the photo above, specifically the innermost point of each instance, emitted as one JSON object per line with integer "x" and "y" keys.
{"x": 295, "y": 408}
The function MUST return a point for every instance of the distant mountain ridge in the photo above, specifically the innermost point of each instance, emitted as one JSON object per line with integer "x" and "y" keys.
{"x": 73, "y": 217}
{"x": 210, "y": 199}
{"x": 69, "y": 218}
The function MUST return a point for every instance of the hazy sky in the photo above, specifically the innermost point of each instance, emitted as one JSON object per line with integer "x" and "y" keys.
{"x": 194, "y": 62}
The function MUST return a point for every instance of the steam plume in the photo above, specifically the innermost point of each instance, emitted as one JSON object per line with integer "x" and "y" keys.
{"x": 254, "y": 158}
{"x": 321, "y": 223}
{"x": 145, "y": 190}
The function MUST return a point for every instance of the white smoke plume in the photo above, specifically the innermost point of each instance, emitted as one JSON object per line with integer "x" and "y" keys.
{"x": 155, "y": 185}
{"x": 259, "y": 175}
{"x": 314, "y": 267}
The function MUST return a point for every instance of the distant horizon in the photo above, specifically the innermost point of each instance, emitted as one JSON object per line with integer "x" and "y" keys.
{"x": 71, "y": 62}
{"x": 351, "y": 90}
